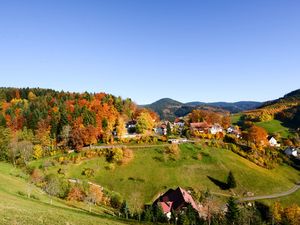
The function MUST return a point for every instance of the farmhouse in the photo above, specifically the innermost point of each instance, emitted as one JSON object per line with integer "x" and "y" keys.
{"x": 175, "y": 200}
{"x": 291, "y": 151}
{"x": 179, "y": 122}
{"x": 234, "y": 130}
{"x": 161, "y": 130}
{"x": 216, "y": 128}
{"x": 201, "y": 127}
{"x": 273, "y": 142}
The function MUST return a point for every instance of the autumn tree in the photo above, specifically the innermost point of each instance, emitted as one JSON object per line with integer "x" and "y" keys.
{"x": 145, "y": 123}
{"x": 77, "y": 138}
{"x": 114, "y": 155}
{"x": 277, "y": 212}
{"x": 291, "y": 215}
{"x": 75, "y": 194}
{"x": 36, "y": 176}
{"x": 26, "y": 151}
{"x": 120, "y": 128}
{"x": 94, "y": 196}
{"x": 173, "y": 151}
{"x": 127, "y": 156}
{"x": 37, "y": 151}
{"x": 52, "y": 186}
{"x": 257, "y": 135}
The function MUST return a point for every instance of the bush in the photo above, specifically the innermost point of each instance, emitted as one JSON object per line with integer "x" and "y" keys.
{"x": 127, "y": 156}
{"x": 116, "y": 201}
{"x": 89, "y": 172}
{"x": 173, "y": 151}
{"x": 110, "y": 166}
{"x": 76, "y": 194}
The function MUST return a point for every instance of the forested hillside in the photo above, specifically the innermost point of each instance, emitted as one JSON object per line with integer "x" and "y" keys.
{"x": 52, "y": 119}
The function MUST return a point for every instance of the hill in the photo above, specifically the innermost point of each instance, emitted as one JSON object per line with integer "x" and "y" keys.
{"x": 169, "y": 109}
{"x": 17, "y": 208}
{"x": 198, "y": 166}
{"x": 165, "y": 108}
{"x": 285, "y": 110}
{"x": 290, "y": 98}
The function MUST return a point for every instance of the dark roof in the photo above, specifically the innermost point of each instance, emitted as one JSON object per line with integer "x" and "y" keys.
{"x": 175, "y": 200}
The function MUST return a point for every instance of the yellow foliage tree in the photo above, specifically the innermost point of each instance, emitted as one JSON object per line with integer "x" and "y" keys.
{"x": 37, "y": 151}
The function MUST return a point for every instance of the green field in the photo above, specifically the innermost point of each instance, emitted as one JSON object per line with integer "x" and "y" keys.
{"x": 151, "y": 173}
{"x": 16, "y": 208}
{"x": 235, "y": 118}
{"x": 274, "y": 126}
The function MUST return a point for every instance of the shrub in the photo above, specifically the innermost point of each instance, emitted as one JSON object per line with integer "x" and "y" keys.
{"x": 75, "y": 194}
{"x": 127, "y": 156}
{"x": 110, "y": 166}
{"x": 199, "y": 156}
{"x": 173, "y": 151}
{"x": 114, "y": 155}
{"x": 89, "y": 172}
{"x": 116, "y": 201}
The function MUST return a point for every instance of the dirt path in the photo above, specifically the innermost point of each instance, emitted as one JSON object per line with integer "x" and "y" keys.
{"x": 278, "y": 195}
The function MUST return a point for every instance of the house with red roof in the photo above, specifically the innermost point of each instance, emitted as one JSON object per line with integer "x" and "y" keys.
{"x": 202, "y": 127}
{"x": 175, "y": 200}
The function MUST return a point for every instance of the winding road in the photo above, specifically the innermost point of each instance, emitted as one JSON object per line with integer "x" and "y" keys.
{"x": 278, "y": 195}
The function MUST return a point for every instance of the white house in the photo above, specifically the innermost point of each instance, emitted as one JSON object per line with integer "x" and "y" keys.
{"x": 216, "y": 128}
{"x": 292, "y": 151}
{"x": 273, "y": 142}
{"x": 235, "y": 131}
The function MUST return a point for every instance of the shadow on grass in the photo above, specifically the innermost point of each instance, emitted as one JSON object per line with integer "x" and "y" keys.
{"x": 222, "y": 185}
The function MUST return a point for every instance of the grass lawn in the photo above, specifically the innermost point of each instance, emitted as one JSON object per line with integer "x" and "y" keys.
{"x": 274, "y": 126}
{"x": 18, "y": 209}
{"x": 235, "y": 118}
{"x": 151, "y": 173}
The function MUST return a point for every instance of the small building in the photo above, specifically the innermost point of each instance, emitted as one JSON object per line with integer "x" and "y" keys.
{"x": 273, "y": 142}
{"x": 202, "y": 127}
{"x": 179, "y": 122}
{"x": 161, "y": 130}
{"x": 235, "y": 131}
{"x": 292, "y": 151}
{"x": 175, "y": 201}
{"x": 216, "y": 128}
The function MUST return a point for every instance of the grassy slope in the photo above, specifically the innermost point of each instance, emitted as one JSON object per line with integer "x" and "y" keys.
{"x": 274, "y": 126}
{"x": 235, "y": 118}
{"x": 152, "y": 174}
{"x": 17, "y": 209}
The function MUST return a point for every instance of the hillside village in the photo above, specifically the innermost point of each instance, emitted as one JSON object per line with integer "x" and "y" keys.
{"x": 47, "y": 133}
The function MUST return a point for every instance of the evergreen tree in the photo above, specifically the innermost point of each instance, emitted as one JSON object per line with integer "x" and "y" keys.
{"x": 231, "y": 183}
{"x": 183, "y": 219}
{"x": 147, "y": 214}
{"x": 124, "y": 210}
{"x": 232, "y": 213}
{"x": 169, "y": 130}
{"x": 159, "y": 214}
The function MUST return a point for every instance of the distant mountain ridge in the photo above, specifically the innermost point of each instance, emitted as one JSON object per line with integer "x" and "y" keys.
{"x": 169, "y": 109}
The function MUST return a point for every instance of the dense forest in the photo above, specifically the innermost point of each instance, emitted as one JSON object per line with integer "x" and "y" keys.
{"x": 53, "y": 119}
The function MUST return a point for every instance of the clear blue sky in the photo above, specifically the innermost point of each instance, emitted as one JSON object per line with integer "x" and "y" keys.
{"x": 205, "y": 50}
